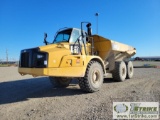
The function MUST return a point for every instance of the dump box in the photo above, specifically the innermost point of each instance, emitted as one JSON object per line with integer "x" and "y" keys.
{"x": 105, "y": 47}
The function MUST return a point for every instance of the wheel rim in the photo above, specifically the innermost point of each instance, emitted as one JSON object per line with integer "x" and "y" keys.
{"x": 131, "y": 70}
{"x": 96, "y": 77}
{"x": 123, "y": 71}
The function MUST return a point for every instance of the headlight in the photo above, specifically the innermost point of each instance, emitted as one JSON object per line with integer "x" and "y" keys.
{"x": 40, "y": 56}
{"x": 45, "y": 62}
{"x": 40, "y": 60}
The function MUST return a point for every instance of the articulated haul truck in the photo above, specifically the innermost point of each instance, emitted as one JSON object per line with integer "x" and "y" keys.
{"x": 77, "y": 54}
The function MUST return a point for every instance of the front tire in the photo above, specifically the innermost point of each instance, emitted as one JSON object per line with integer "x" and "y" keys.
{"x": 120, "y": 71}
{"x": 93, "y": 78}
{"x": 60, "y": 81}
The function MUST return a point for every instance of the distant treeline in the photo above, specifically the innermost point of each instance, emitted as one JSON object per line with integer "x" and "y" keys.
{"x": 147, "y": 59}
{"x": 8, "y": 62}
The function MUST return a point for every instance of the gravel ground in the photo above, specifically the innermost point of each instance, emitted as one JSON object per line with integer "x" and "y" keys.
{"x": 28, "y": 98}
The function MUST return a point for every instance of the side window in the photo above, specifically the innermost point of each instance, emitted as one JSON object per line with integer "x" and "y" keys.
{"x": 75, "y": 35}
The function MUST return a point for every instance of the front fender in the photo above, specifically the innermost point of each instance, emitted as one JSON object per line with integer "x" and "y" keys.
{"x": 95, "y": 58}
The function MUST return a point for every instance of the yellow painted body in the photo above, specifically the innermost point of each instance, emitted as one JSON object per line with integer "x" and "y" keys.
{"x": 62, "y": 63}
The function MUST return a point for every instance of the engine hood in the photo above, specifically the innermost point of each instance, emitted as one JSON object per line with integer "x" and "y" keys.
{"x": 56, "y": 52}
{"x": 54, "y": 46}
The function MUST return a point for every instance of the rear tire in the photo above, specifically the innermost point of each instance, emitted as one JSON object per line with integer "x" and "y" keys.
{"x": 93, "y": 79}
{"x": 120, "y": 71}
{"x": 130, "y": 70}
{"x": 60, "y": 81}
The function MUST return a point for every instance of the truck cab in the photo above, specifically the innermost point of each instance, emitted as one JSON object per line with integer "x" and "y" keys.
{"x": 68, "y": 35}
{"x": 67, "y": 54}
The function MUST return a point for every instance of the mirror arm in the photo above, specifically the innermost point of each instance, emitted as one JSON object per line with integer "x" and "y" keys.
{"x": 45, "y": 37}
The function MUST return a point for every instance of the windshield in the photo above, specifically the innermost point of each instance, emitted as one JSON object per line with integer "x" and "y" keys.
{"x": 63, "y": 36}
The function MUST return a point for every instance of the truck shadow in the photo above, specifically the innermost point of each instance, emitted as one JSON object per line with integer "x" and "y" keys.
{"x": 22, "y": 90}
{"x": 108, "y": 80}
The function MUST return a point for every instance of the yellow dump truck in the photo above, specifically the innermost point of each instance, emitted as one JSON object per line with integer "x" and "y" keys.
{"x": 76, "y": 54}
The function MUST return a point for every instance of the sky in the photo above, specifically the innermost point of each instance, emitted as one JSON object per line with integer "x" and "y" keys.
{"x": 133, "y": 22}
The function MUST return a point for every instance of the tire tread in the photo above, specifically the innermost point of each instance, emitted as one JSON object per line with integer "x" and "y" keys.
{"x": 83, "y": 82}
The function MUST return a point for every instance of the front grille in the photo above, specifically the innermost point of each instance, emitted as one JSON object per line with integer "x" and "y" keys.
{"x": 24, "y": 59}
{"x": 32, "y": 58}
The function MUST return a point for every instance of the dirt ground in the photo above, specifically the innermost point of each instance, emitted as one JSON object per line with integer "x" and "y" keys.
{"x": 28, "y": 98}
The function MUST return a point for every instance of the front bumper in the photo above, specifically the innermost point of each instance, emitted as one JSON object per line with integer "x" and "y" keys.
{"x": 58, "y": 72}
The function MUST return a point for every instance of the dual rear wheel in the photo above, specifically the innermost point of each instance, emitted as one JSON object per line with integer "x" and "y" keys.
{"x": 123, "y": 70}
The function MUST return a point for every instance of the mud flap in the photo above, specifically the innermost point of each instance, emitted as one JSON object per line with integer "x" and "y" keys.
{"x": 111, "y": 61}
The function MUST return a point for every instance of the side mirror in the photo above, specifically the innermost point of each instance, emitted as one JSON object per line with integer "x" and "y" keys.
{"x": 45, "y": 35}
{"x": 45, "y": 38}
